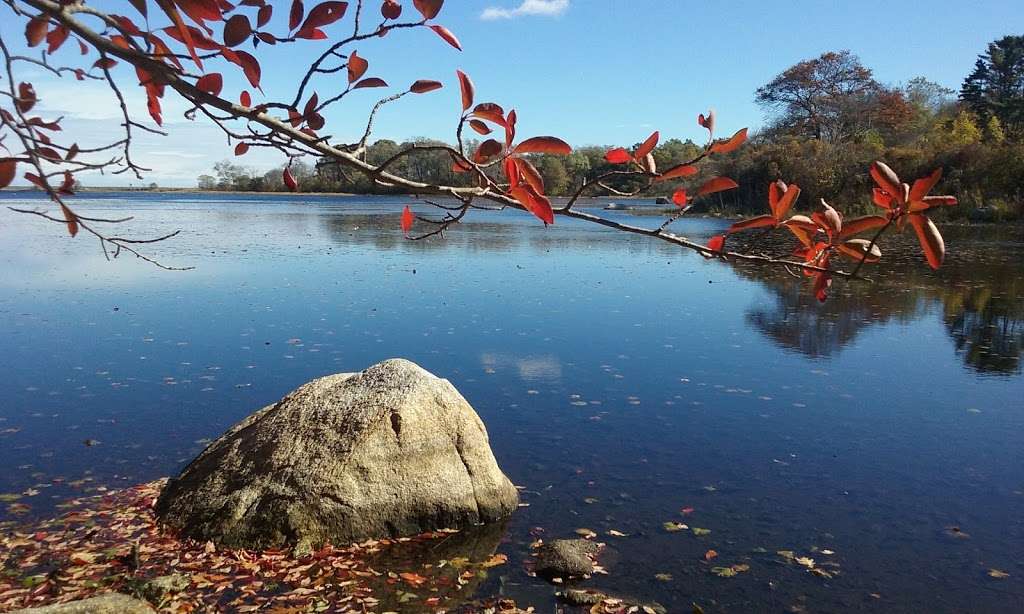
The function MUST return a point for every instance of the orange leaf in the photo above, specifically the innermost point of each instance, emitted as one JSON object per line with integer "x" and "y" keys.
{"x": 707, "y": 121}
{"x": 931, "y": 241}
{"x": 406, "y": 219}
{"x": 732, "y": 144}
{"x": 467, "y": 90}
{"x": 425, "y": 85}
{"x": 487, "y": 149}
{"x": 356, "y": 67}
{"x": 479, "y": 126}
{"x": 887, "y": 180}
{"x": 245, "y": 99}
{"x": 710, "y": 554}
{"x": 618, "y": 156}
{"x": 785, "y": 202}
{"x": 716, "y": 243}
{"x": 491, "y": 112}
{"x": 428, "y": 8}
{"x": 647, "y": 146}
{"x": 530, "y": 173}
{"x": 289, "y": 180}
{"x": 544, "y": 144}
{"x": 71, "y": 219}
{"x": 718, "y": 184}
{"x": 755, "y": 222}
{"x": 680, "y": 199}
{"x": 35, "y": 30}
{"x": 250, "y": 66}
{"x": 324, "y": 14}
{"x": 447, "y": 35}
{"x": 295, "y": 15}
{"x": 241, "y": 148}
{"x": 679, "y": 170}
{"x": 925, "y": 185}
{"x": 533, "y": 202}
{"x": 857, "y": 249}
{"x": 860, "y": 224}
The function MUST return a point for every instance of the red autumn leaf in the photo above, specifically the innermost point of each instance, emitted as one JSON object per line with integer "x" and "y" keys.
{"x": 491, "y": 112}
{"x": 466, "y": 85}
{"x": 315, "y": 121}
{"x": 732, "y": 144}
{"x": 618, "y": 156}
{"x": 199, "y": 40}
{"x": 263, "y": 16}
{"x": 860, "y": 224}
{"x": 425, "y": 85}
{"x": 295, "y": 15}
{"x": 785, "y": 201}
{"x": 294, "y": 118}
{"x": 510, "y": 128}
{"x": 544, "y": 144}
{"x": 104, "y": 63}
{"x": 487, "y": 149}
{"x": 857, "y": 250}
{"x": 237, "y": 30}
{"x": 479, "y": 127}
{"x": 716, "y": 243}
{"x": 391, "y": 9}
{"x": 647, "y": 146}
{"x": 755, "y": 222}
{"x": 324, "y": 14}
{"x": 370, "y": 82}
{"x": 679, "y": 170}
{"x": 931, "y": 241}
{"x": 184, "y": 33}
{"x": 8, "y": 167}
{"x": 407, "y": 220}
{"x": 311, "y": 104}
{"x": 530, "y": 173}
{"x": 680, "y": 199}
{"x": 71, "y": 219}
{"x": 211, "y": 83}
{"x": 245, "y": 99}
{"x": 717, "y": 184}
{"x": 428, "y": 8}
{"x": 822, "y": 282}
{"x": 35, "y": 30}
{"x": 925, "y": 185}
{"x": 533, "y": 202}
{"x": 887, "y": 180}
{"x": 241, "y": 148}
{"x": 511, "y": 171}
{"x": 250, "y": 67}
{"x": 289, "y": 180}
{"x": 140, "y": 6}
{"x": 56, "y": 38}
{"x": 26, "y": 97}
{"x": 707, "y": 121}
{"x": 447, "y": 35}
{"x": 356, "y": 67}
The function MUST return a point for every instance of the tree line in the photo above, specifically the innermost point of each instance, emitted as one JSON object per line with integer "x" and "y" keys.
{"x": 828, "y": 119}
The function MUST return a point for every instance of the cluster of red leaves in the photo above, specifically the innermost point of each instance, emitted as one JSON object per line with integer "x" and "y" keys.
{"x": 642, "y": 159}
{"x": 88, "y": 551}
{"x": 824, "y": 233}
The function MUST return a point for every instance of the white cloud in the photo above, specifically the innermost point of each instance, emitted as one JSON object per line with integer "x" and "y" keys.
{"x": 545, "y": 8}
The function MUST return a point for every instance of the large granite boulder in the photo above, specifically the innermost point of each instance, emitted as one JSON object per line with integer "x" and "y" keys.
{"x": 390, "y": 451}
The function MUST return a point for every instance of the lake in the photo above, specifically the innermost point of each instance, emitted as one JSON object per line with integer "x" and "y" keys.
{"x": 621, "y": 381}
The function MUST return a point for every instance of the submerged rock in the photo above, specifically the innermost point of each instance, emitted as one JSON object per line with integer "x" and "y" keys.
{"x": 111, "y": 603}
{"x": 390, "y": 451}
{"x": 566, "y": 558}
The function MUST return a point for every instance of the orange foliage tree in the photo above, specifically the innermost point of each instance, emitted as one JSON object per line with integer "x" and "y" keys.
{"x": 184, "y": 43}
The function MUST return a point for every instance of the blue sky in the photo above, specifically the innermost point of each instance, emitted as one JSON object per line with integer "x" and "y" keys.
{"x": 589, "y": 71}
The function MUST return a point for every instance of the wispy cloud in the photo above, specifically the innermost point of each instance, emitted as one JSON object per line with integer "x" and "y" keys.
{"x": 544, "y": 8}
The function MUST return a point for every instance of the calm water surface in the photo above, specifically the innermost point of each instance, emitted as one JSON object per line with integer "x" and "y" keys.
{"x": 620, "y": 380}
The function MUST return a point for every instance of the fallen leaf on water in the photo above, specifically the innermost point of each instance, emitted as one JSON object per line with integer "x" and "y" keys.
{"x": 686, "y": 511}
{"x": 494, "y": 561}
{"x": 805, "y": 561}
{"x": 998, "y": 574}
{"x": 615, "y": 533}
{"x": 586, "y": 533}
{"x": 699, "y": 532}
{"x": 663, "y": 577}
{"x": 672, "y": 526}
{"x": 710, "y": 554}
{"x": 723, "y": 572}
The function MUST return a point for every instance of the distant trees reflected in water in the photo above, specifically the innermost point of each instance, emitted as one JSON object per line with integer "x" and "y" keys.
{"x": 980, "y": 295}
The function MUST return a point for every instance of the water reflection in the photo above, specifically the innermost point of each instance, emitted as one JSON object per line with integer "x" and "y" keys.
{"x": 980, "y": 294}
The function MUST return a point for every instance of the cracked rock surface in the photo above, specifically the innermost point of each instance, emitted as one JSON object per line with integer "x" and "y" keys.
{"x": 390, "y": 451}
